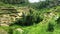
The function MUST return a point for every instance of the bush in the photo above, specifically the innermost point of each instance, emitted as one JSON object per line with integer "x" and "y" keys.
{"x": 50, "y": 27}
{"x": 58, "y": 20}
{"x": 33, "y": 17}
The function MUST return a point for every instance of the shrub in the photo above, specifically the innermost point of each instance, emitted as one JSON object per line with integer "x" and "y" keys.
{"x": 58, "y": 20}
{"x": 50, "y": 27}
{"x": 33, "y": 17}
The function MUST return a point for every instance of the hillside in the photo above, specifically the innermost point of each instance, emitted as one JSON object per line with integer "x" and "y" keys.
{"x": 27, "y": 20}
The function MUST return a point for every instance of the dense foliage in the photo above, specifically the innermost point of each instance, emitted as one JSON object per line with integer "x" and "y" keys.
{"x": 33, "y": 17}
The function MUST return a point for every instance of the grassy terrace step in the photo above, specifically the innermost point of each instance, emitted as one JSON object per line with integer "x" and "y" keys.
{"x": 9, "y": 15}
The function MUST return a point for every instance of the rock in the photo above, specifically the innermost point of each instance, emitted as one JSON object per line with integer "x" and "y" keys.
{"x": 3, "y": 31}
{"x": 18, "y": 31}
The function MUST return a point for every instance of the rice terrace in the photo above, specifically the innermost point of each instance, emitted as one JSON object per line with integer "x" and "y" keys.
{"x": 29, "y": 16}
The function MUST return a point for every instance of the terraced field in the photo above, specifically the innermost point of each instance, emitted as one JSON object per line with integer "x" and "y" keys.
{"x": 10, "y": 22}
